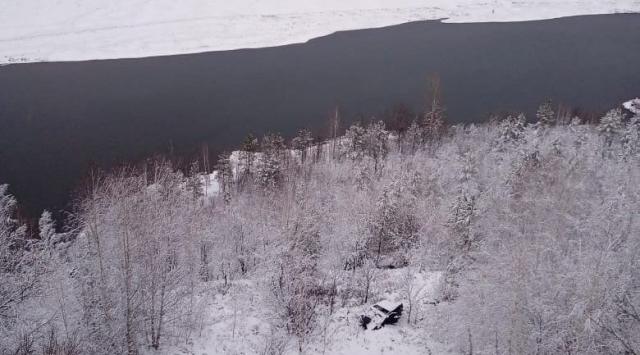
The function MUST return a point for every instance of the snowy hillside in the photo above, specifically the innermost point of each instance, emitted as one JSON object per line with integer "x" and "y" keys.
{"x": 61, "y": 30}
{"x": 503, "y": 238}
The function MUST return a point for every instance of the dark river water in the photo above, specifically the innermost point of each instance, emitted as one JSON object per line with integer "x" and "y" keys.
{"x": 59, "y": 119}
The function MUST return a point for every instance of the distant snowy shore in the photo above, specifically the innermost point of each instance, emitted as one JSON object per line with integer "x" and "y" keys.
{"x": 69, "y": 30}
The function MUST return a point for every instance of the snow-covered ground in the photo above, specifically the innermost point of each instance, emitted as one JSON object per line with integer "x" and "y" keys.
{"x": 238, "y": 321}
{"x": 633, "y": 106}
{"x": 62, "y": 30}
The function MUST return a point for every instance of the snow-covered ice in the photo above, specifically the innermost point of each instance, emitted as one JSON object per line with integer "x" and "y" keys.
{"x": 66, "y": 30}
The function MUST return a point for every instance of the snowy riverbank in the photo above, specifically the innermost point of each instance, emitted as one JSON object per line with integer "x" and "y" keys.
{"x": 66, "y": 30}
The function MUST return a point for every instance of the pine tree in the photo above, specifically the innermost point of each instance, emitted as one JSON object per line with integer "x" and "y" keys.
{"x": 47, "y": 229}
{"x": 295, "y": 290}
{"x": 194, "y": 181}
{"x": 578, "y": 131}
{"x": 250, "y": 143}
{"x": 631, "y": 138}
{"x": 545, "y": 114}
{"x": 18, "y": 278}
{"x": 302, "y": 141}
{"x": 434, "y": 121}
{"x": 413, "y": 137}
{"x": 376, "y": 143}
{"x": 394, "y": 226}
{"x": 611, "y": 125}
{"x": 352, "y": 145}
{"x": 272, "y": 143}
{"x": 269, "y": 172}
{"x": 465, "y": 242}
{"x": 370, "y": 142}
{"x": 12, "y": 234}
{"x": 225, "y": 176}
{"x": 462, "y": 212}
{"x": 511, "y": 131}
{"x": 433, "y": 125}
{"x": 249, "y": 147}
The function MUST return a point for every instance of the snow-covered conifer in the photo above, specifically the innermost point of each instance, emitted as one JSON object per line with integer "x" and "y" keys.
{"x": 511, "y": 131}
{"x": 610, "y": 125}
{"x": 376, "y": 143}
{"x": 47, "y": 228}
{"x": 434, "y": 120}
{"x": 413, "y": 137}
{"x": 353, "y": 144}
{"x": 545, "y": 114}
{"x": 194, "y": 180}
{"x": 630, "y": 138}
{"x": 248, "y": 149}
{"x": 20, "y": 279}
{"x": 394, "y": 226}
{"x": 269, "y": 169}
{"x": 302, "y": 141}
{"x": 225, "y": 175}
{"x": 464, "y": 244}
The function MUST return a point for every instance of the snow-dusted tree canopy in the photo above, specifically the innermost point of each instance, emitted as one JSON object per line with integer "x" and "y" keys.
{"x": 503, "y": 238}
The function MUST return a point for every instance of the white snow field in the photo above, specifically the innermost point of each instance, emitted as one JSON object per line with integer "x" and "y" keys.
{"x": 68, "y": 30}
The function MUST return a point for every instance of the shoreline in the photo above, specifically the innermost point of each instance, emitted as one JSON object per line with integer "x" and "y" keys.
{"x": 116, "y": 36}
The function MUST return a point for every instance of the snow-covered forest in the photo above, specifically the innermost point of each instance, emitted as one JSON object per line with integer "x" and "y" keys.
{"x": 511, "y": 237}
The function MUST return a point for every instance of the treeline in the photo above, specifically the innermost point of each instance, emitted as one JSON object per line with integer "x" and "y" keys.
{"x": 534, "y": 227}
